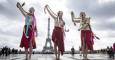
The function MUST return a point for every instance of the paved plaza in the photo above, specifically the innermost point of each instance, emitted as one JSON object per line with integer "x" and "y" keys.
{"x": 52, "y": 57}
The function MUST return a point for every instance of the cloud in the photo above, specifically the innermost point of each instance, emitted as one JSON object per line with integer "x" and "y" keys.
{"x": 93, "y": 8}
{"x": 104, "y": 11}
{"x": 9, "y": 9}
{"x": 107, "y": 26}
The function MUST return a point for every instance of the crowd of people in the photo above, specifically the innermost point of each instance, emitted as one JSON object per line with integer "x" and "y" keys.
{"x": 110, "y": 52}
{"x": 5, "y": 51}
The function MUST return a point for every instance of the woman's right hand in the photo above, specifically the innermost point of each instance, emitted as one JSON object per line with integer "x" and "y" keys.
{"x": 18, "y": 5}
{"x": 46, "y": 5}
{"x": 45, "y": 8}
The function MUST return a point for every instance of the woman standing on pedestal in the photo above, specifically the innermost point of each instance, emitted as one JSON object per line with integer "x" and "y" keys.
{"x": 29, "y": 31}
{"x": 86, "y": 33}
{"x": 58, "y": 32}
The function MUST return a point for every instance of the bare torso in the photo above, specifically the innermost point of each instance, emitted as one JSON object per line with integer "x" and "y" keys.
{"x": 85, "y": 23}
{"x": 59, "y": 23}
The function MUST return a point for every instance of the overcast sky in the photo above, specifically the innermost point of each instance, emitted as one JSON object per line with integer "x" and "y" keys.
{"x": 102, "y": 13}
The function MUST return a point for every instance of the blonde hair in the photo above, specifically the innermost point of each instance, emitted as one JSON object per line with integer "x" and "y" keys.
{"x": 32, "y": 9}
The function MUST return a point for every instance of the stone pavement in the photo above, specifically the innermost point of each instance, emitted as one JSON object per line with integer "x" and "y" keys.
{"x": 52, "y": 57}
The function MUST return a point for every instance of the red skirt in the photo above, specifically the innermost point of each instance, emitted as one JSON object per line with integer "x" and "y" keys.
{"x": 114, "y": 46}
{"x": 88, "y": 36}
{"x": 25, "y": 42}
{"x": 58, "y": 38}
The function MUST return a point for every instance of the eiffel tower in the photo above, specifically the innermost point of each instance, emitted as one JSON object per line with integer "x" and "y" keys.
{"x": 48, "y": 49}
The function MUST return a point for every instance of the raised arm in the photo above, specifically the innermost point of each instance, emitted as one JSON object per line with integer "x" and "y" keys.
{"x": 21, "y": 9}
{"x": 50, "y": 11}
{"x": 75, "y": 20}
